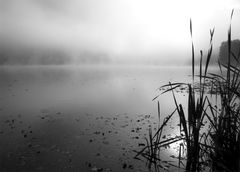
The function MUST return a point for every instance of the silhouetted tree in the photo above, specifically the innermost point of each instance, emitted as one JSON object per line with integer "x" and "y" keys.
{"x": 235, "y": 52}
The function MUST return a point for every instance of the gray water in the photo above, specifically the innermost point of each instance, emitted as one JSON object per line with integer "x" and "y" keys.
{"x": 79, "y": 118}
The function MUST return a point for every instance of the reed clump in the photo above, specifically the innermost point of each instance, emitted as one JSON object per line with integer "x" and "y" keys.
{"x": 215, "y": 146}
{"x": 225, "y": 134}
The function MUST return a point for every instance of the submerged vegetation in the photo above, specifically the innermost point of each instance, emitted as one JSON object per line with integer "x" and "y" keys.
{"x": 213, "y": 145}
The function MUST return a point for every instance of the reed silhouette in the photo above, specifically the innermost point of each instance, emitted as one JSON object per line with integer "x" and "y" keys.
{"x": 215, "y": 146}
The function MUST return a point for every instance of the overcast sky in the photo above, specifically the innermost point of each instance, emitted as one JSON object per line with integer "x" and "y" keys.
{"x": 122, "y": 28}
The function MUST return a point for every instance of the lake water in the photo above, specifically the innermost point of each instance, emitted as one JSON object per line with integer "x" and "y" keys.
{"x": 80, "y": 118}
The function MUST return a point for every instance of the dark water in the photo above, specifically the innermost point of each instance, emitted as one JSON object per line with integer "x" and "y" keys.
{"x": 81, "y": 118}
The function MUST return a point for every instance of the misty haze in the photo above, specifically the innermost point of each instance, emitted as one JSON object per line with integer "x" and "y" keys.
{"x": 104, "y": 86}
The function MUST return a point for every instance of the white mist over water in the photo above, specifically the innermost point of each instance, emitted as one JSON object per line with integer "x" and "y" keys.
{"x": 112, "y": 86}
{"x": 137, "y": 30}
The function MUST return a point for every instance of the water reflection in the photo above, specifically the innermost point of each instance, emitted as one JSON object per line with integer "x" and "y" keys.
{"x": 81, "y": 115}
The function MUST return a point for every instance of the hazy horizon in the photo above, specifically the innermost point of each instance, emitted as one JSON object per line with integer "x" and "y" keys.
{"x": 120, "y": 31}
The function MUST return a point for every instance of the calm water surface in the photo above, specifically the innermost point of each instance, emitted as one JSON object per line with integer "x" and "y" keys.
{"x": 80, "y": 118}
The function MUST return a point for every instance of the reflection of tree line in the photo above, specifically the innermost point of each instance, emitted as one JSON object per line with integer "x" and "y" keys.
{"x": 49, "y": 58}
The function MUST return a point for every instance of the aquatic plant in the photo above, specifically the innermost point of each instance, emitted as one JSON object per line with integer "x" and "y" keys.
{"x": 215, "y": 146}
{"x": 225, "y": 134}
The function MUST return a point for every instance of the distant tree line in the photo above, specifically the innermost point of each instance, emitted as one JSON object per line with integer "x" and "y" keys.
{"x": 51, "y": 57}
{"x": 235, "y": 52}
{"x": 26, "y": 57}
{"x": 91, "y": 58}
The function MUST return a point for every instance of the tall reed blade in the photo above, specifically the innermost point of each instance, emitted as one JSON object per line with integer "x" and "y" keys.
{"x": 193, "y": 58}
{"x": 158, "y": 112}
{"x": 209, "y": 51}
